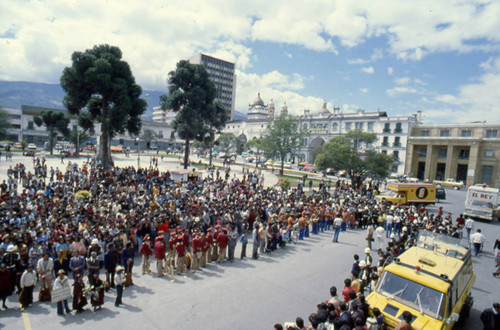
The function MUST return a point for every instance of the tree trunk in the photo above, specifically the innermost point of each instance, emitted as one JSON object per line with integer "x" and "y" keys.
{"x": 104, "y": 154}
{"x": 210, "y": 157}
{"x": 51, "y": 141}
{"x": 186, "y": 154}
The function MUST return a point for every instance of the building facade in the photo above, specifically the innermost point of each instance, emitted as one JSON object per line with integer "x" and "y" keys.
{"x": 222, "y": 75}
{"x": 324, "y": 124}
{"x": 463, "y": 152}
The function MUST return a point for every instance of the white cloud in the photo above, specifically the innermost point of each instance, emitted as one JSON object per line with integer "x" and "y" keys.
{"x": 390, "y": 71}
{"x": 400, "y": 90}
{"x": 364, "y": 90}
{"x": 377, "y": 55}
{"x": 368, "y": 70}
{"x": 402, "y": 81}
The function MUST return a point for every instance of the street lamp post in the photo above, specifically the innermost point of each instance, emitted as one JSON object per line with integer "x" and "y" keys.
{"x": 137, "y": 141}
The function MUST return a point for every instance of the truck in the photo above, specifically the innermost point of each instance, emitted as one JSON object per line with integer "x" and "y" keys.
{"x": 432, "y": 280}
{"x": 449, "y": 183}
{"x": 482, "y": 202}
{"x": 409, "y": 193}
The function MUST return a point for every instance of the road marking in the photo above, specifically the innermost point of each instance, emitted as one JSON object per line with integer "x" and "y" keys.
{"x": 26, "y": 320}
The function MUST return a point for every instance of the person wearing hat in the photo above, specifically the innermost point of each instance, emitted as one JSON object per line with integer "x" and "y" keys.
{"x": 93, "y": 266}
{"x": 222, "y": 241}
{"x": 159, "y": 254}
{"x": 62, "y": 284}
{"x": 368, "y": 257}
{"x": 119, "y": 280}
{"x": 146, "y": 252}
{"x": 79, "y": 299}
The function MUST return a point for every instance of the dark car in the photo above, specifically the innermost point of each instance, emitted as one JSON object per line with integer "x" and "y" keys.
{"x": 440, "y": 193}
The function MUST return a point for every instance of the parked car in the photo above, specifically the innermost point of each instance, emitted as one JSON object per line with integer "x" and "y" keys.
{"x": 29, "y": 153}
{"x": 18, "y": 145}
{"x": 32, "y": 146}
{"x": 440, "y": 193}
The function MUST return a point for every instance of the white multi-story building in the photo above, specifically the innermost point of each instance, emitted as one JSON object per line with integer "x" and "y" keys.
{"x": 222, "y": 75}
{"x": 392, "y": 132}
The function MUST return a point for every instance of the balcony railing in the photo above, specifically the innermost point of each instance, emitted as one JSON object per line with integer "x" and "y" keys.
{"x": 387, "y": 130}
{"x": 396, "y": 144}
{"x": 398, "y": 130}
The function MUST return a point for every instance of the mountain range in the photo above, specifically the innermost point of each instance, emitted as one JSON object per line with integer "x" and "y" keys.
{"x": 13, "y": 94}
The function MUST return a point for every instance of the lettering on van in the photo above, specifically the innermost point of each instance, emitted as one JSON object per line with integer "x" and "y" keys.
{"x": 482, "y": 196}
{"x": 422, "y": 193}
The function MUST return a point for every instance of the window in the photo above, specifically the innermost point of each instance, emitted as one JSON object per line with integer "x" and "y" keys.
{"x": 422, "y": 152}
{"x": 384, "y": 152}
{"x": 335, "y": 127}
{"x": 30, "y": 125}
{"x": 489, "y": 153}
{"x": 387, "y": 128}
{"x": 397, "y": 142}
{"x": 424, "y": 132}
{"x": 347, "y": 127}
{"x": 396, "y": 154}
{"x": 466, "y": 133}
{"x": 491, "y": 133}
{"x": 359, "y": 125}
{"x": 75, "y": 127}
{"x": 486, "y": 174}
{"x": 444, "y": 133}
{"x": 463, "y": 154}
{"x": 370, "y": 127}
{"x": 305, "y": 126}
{"x": 442, "y": 152}
{"x": 385, "y": 142}
{"x": 398, "y": 128}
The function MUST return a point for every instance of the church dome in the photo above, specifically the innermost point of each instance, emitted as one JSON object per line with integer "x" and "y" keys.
{"x": 324, "y": 110}
{"x": 258, "y": 101}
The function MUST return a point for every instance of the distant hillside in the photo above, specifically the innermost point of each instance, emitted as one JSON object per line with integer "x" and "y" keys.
{"x": 15, "y": 94}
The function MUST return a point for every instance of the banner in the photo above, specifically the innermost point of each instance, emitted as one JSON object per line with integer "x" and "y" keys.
{"x": 61, "y": 294}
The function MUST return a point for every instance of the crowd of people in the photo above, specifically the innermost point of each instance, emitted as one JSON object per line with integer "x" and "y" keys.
{"x": 93, "y": 225}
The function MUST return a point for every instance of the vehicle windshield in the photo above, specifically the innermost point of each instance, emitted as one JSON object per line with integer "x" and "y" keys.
{"x": 481, "y": 204}
{"x": 417, "y": 296}
{"x": 390, "y": 193}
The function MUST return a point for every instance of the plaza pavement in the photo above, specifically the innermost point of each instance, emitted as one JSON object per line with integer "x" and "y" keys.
{"x": 246, "y": 294}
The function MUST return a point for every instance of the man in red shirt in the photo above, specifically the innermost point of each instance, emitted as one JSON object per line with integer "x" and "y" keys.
{"x": 146, "y": 252}
{"x": 165, "y": 228}
{"x": 222, "y": 240}
{"x": 159, "y": 254}
{"x": 347, "y": 288}
{"x": 460, "y": 220}
{"x": 195, "y": 249}
{"x": 205, "y": 246}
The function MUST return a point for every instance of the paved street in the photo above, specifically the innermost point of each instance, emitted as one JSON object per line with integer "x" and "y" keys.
{"x": 248, "y": 294}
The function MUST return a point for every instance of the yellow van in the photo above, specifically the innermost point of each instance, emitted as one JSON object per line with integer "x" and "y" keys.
{"x": 409, "y": 193}
{"x": 431, "y": 280}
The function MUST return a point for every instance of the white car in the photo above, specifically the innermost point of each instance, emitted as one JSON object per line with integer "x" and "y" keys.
{"x": 32, "y": 146}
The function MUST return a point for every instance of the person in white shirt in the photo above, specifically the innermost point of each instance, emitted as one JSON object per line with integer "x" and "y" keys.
{"x": 62, "y": 283}
{"x": 27, "y": 283}
{"x": 337, "y": 223}
{"x": 469, "y": 225}
{"x": 389, "y": 225}
{"x": 44, "y": 267}
{"x": 119, "y": 280}
{"x": 477, "y": 239}
{"x": 379, "y": 237}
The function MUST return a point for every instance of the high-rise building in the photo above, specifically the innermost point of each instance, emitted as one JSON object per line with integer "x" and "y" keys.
{"x": 222, "y": 75}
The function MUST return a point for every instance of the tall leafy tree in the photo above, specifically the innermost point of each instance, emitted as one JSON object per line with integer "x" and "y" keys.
{"x": 54, "y": 121}
{"x": 100, "y": 88}
{"x": 226, "y": 142}
{"x": 191, "y": 96}
{"x": 283, "y": 136}
{"x": 257, "y": 145}
{"x": 77, "y": 136}
{"x": 352, "y": 153}
{"x": 4, "y": 123}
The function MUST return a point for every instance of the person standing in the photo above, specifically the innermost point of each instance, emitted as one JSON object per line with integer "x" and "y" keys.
{"x": 45, "y": 266}
{"x": 256, "y": 239}
{"x": 79, "y": 299}
{"x": 337, "y": 224}
{"x": 389, "y": 222}
{"x": 119, "y": 280}
{"x": 111, "y": 259}
{"x": 233, "y": 240}
{"x": 244, "y": 242}
{"x": 469, "y": 226}
{"x": 379, "y": 237}
{"x": 28, "y": 281}
{"x": 61, "y": 284}
{"x": 477, "y": 239}
{"x": 222, "y": 241}
{"x": 6, "y": 284}
{"x": 491, "y": 317}
{"x": 93, "y": 266}
{"x": 369, "y": 235}
{"x": 128, "y": 255}
{"x": 159, "y": 255}
{"x": 146, "y": 252}
{"x": 77, "y": 264}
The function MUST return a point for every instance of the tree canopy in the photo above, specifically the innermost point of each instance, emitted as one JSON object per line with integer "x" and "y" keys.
{"x": 283, "y": 136}
{"x": 100, "y": 88}
{"x": 54, "y": 121}
{"x": 226, "y": 142}
{"x": 352, "y": 153}
{"x": 257, "y": 146}
{"x": 191, "y": 96}
{"x": 4, "y": 123}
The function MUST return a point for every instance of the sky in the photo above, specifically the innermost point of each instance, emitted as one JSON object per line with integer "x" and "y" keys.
{"x": 440, "y": 57}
